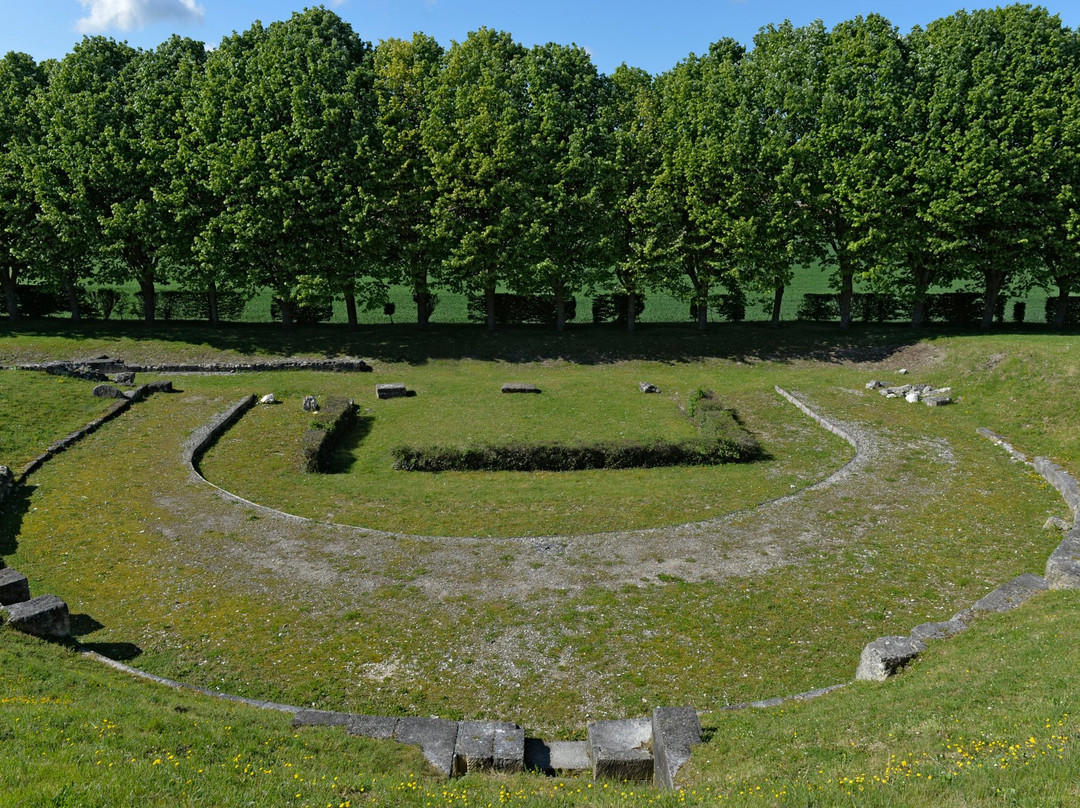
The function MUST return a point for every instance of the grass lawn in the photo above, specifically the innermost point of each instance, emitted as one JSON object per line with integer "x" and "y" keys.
{"x": 553, "y": 632}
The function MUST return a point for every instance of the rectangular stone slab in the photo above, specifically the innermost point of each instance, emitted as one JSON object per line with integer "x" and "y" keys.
{"x": 489, "y": 746}
{"x": 392, "y": 390}
{"x": 674, "y": 731}
{"x": 519, "y": 387}
{"x": 436, "y": 738}
{"x": 621, "y": 750}
{"x": 45, "y": 616}
{"x": 14, "y": 588}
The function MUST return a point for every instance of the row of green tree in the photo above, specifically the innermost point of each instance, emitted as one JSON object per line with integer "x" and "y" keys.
{"x": 298, "y": 157}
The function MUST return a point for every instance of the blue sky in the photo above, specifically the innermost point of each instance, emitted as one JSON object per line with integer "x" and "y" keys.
{"x": 652, "y": 34}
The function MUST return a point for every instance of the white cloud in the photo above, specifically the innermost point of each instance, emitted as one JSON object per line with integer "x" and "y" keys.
{"x": 105, "y": 15}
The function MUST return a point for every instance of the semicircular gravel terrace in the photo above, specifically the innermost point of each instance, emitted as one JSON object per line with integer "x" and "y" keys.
{"x": 696, "y": 540}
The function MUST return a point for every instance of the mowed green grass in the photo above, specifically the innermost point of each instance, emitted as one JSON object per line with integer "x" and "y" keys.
{"x": 459, "y": 403}
{"x": 38, "y": 409}
{"x": 986, "y": 718}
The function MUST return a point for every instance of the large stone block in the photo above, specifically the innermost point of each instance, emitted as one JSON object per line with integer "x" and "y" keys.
{"x": 107, "y": 391}
{"x": 939, "y": 631}
{"x": 14, "y": 588}
{"x": 1063, "y": 566}
{"x": 44, "y": 616}
{"x": 1011, "y": 594}
{"x": 520, "y": 387}
{"x": 621, "y": 750}
{"x": 554, "y": 757}
{"x": 674, "y": 731}
{"x": 886, "y": 656}
{"x": 436, "y": 737}
{"x": 391, "y": 390}
{"x": 489, "y": 746}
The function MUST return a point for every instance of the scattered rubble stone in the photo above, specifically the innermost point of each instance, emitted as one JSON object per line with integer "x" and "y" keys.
{"x": 268, "y": 399}
{"x": 310, "y": 404}
{"x": 646, "y": 387}
{"x": 886, "y": 656}
{"x": 108, "y": 391}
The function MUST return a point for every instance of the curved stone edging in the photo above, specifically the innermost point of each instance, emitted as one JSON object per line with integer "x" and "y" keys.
{"x": 223, "y": 421}
{"x": 1063, "y": 566}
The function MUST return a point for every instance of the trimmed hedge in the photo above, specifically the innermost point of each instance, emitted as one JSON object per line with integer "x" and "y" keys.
{"x": 304, "y": 315}
{"x": 722, "y": 439}
{"x": 1072, "y": 310}
{"x": 611, "y": 308}
{"x": 318, "y": 443}
{"x": 953, "y": 308}
{"x": 511, "y": 309}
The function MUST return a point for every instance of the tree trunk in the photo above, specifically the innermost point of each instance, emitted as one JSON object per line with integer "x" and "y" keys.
{"x": 777, "y": 299}
{"x": 212, "y": 304}
{"x": 847, "y": 289}
{"x": 489, "y": 304}
{"x": 560, "y": 306}
{"x": 423, "y": 308}
{"x": 146, "y": 287}
{"x": 631, "y": 311}
{"x": 287, "y": 317}
{"x": 1061, "y": 305}
{"x": 994, "y": 281}
{"x": 350, "y": 309}
{"x": 422, "y": 296}
{"x": 73, "y": 301}
{"x": 918, "y": 306}
{"x": 9, "y": 280}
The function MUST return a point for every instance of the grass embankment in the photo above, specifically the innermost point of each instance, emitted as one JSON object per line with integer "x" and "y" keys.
{"x": 958, "y": 519}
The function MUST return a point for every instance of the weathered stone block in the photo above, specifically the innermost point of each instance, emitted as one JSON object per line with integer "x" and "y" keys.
{"x": 621, "y": 750}
{"x": 489, "y": 746}
{"x": 391, "y": 390}
{"x": 14, "y": 588}
{"x": 320, "y": 718}
{"x": 674, "y": 731}
{"x": 124, "y": 377}
{"x": 310, "y": 404}
{"x": 940, "y": 630}
{"x": 1063, "y": 566}
{"x": 1011, "y": 594}
{"x": 44, "y": 616}
{"x": 646, "y": 387}
{"x": 552, "y": 757}
{"x": 886, "y": 656}
{"x": 436, "y": 737}
{"x": 520, "y": 387}
{"x": 161, "y": 386}
{"x": 379, "y": 727}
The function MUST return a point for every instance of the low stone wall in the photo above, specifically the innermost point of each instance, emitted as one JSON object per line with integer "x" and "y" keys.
{"x": 203, "y": 438}
{"x": 98, "y": 368}
{"x": 57, "y": 447}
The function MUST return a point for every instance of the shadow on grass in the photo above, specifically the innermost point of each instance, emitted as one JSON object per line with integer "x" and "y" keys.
{"x": 582, "y": 344}
{"x": 12, "y": 510}
{"x": 83, "y": 625}
{"x": 344, "y": 457}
